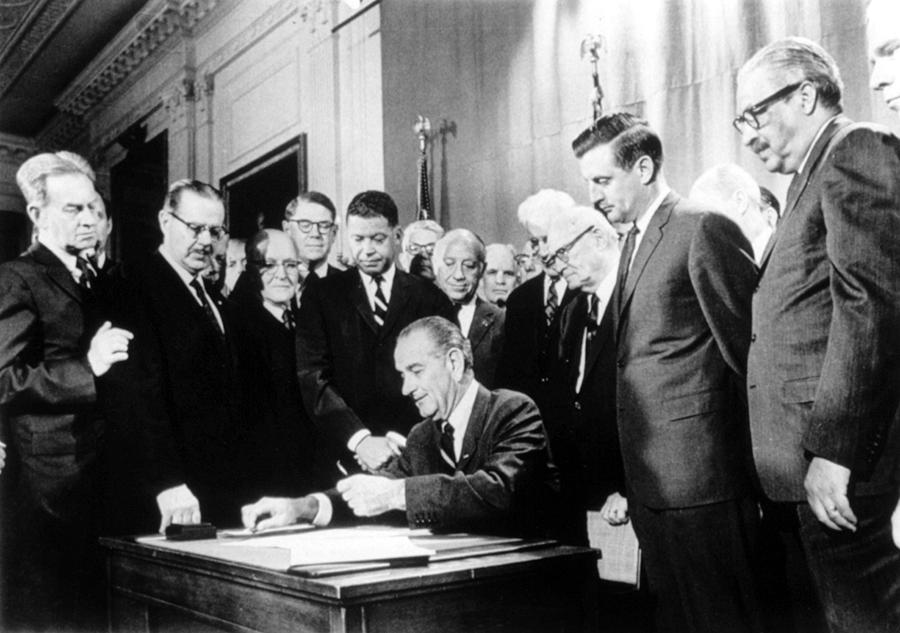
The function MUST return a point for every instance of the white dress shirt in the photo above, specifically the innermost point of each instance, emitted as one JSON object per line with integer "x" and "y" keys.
{"x": 465, "y": 316}
{"x": 603, "y": 293}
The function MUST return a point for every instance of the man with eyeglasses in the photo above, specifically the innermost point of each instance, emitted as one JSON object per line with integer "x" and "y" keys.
{"x": 531, "y": 328}
{"x": 55, "y": 352}
{"x": 824, "y": 366}
{"x": 583, "y": 248}
{"x": 310, "y": 221}
{"x": 419, "y": 238}
{"x": 681, "y": 316}
{"x": 346, "y": 330}
{"x": 459, "y": 263}
{"x": 176, "y": 403}
{"x": 279, "y": 457}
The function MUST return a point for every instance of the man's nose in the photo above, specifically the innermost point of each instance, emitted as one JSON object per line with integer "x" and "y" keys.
{"x": 879, "y": 78}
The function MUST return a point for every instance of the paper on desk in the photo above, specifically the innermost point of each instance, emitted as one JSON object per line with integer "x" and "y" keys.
{"x": 621, "y": 554}
{"x": 250, "y": 533}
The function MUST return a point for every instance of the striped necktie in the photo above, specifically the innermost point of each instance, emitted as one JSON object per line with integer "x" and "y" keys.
{"x": 381, "y": 304}
{"x": 552, "y": 303}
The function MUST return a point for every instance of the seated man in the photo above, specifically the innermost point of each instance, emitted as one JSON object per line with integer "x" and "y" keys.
{"x": 478, "y": 461}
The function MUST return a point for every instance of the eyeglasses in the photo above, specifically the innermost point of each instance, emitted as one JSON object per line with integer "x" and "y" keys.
{"x": 216, "y": 231}
{"x": 750, "y": 116}
{"x": 306, "y": 226}
{"x": 416, "y": 249}
{"x": 268, "y": 269}
{"x": 562, "y": 254}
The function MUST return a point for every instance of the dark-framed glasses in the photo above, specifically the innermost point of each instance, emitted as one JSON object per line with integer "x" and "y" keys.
{"x": 268, "y": 268}
{"x": 416, "y": 249}
{"x": 306, "y": 226}
{"x": 562, "y": 254}
{"x": 750, "y": 116}
{"x": 216, "y": 231}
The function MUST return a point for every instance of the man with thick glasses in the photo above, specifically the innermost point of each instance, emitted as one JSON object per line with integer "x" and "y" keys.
{"x": 175, "y": 405}
{"x": 825, "y": 363}
{"x": 419, "y": 238}
{"x": 583, "y": 248}
{"x": 310, "y": 220}
{"x": 681, "y": 316}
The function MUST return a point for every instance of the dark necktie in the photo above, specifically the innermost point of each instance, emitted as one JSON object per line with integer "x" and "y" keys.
{"x": 552, "y": 303}
{"x": 448, "y": 453}
{"x": 381, "y": 305}
{"x": 204, "y": 303}
{"x": 287, "y": 317}
{"x": 88, "y": 273}
{"x": 590, "y": 327}
{"x": 624, "y": 263}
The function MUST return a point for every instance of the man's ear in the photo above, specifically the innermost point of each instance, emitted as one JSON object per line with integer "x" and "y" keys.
{"x": 809, "y": 97}
{"x": 741, "y": 201}
{"x": 646, "y": 169}
{"x": 457, "y": 363}
{"x": 34, "y": 213}
{"x": 164, "y": 219}
{"x": 398, "y": 235}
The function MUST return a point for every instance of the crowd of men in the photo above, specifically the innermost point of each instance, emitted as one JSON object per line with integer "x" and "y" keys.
{"x": 722, "y": 375}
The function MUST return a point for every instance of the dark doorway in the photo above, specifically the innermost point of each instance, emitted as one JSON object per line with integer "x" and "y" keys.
{"x": 15, "y": 231}
{"x": 257, "y": 194}
{"x": 138, "y": 185}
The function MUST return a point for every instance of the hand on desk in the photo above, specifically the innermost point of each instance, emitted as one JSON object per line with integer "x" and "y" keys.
{"x": 370, "y": 495}
{"x": 280, "y": 510}
{"x": 373, "y": 452}
{"x": 177, "y": 505}
{"x": 826, "y": 491}
{"x": 615, "y": 510}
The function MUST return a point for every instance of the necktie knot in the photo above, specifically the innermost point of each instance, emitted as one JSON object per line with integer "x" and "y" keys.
{"x": 552, "y": 303}
{"x": 87, "y": 273}
{"x": 448, "y": 451}
{"x": 287, "y": 317}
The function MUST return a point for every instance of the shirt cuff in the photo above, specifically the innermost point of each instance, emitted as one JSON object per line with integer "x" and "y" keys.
{"x": 356, "y": 438}
{"x": 325, "y": 512}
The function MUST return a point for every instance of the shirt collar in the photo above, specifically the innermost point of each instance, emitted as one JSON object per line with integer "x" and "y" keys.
{"x": 459, "y": 417}
{"x": 644, "y": 221}
{"x": 387, "y": 276}
{"x": 70, "y": 260}
{"x": 274, "y": 310}
{"x": 813, "y": 144}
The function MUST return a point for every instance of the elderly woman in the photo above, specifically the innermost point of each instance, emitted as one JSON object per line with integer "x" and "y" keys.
{"x": 280, "y": 438}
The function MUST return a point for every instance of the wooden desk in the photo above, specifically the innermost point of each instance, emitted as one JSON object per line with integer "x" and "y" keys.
{"x": 542, "y": 590}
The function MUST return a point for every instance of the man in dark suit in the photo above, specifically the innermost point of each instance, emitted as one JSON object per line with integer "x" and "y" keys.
{"x": 175, "y": 405}
{"x": 346, "y": 330}
{"x": 585, "y": 442}
{"x": 478, "y": 462}
{"x": 682, "y": 321}
{"x": 824, "y": 367}
{"x": 279, "y": 453}
{"x": 51, "y": 355}
{"x": 459, "y": 263}
{"x": 310, "y": 221}
{"x": 531, "y": 328}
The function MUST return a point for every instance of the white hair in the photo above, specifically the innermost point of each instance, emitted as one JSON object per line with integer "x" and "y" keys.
{"x": 538, "y": 210}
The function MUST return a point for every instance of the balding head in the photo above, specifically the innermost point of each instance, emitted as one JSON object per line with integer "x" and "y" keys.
{"x": 583, "y": 247}
{"x": 730, "y": 190}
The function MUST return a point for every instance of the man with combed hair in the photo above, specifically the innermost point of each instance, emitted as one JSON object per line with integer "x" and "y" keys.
{"x": 883, "y": 31}
{"x": 825, "y": 363}
{"x": 500, "y": 274}
{"x": 459, "y": 263}
{"x": 310, "y": 220}
{"x": 346, "y": 331}
{"x": 478, "y": 461}
{"x": 585, "y": 440}
{"x": 175, "y": 406}
{"x": 730, "y": 189}
{"x": 681, "y": 315}
{"x": 532, "y": 310}
{"x": 419, "y": 238}
{"x": 52, "y": 355}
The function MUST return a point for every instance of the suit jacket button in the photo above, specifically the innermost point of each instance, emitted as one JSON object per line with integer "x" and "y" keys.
{"x": 577, "y": 406}
{"x": 753, "y": 338}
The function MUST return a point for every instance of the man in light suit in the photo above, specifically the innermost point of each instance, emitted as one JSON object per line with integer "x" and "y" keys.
{"x": 346, "y": 330}
{"x": 478, "y": 461}
{"x": 883, "y": 31}
{"x": 459, "y": 264}
{"x": 175, "y": 405}
{"x": 824, "y": 366}
{"x": 51, "y": 357}
{"x": 681, "y": 319}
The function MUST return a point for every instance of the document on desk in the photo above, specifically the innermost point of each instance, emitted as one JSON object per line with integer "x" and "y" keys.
{"x": 346, "y": 545}
{"x": 621, "y": 554}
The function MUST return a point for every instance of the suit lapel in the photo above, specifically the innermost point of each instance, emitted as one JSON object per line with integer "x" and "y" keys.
{"x": 399, "y": 297}
{"x": 361, "y": 301}
{"x": 601, "y": 338}
{"x": 800, "y": 181}
{"x": 481, "y": 323}
{"x": 571, "y": 329}
{"x": 56, "y": 271}
{"x": 477, "y": 420}
{"x": 648, "y": 244}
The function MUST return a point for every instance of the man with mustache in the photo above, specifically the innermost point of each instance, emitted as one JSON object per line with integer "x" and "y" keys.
{"x": 824, "y": 366}
{"x": 175, "y": 403}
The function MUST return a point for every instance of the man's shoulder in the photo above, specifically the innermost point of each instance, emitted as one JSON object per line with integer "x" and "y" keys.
{"x": 525, "y": 292}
